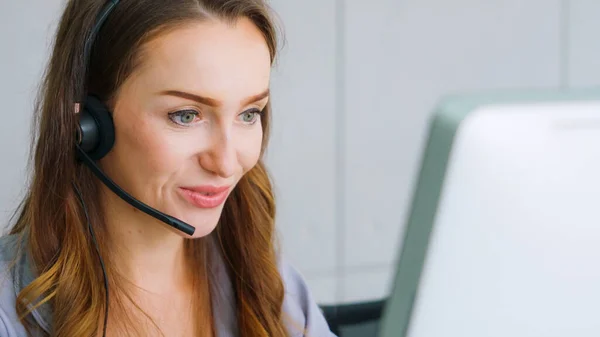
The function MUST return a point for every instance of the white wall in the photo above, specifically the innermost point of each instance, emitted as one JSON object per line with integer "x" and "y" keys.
{"x": 583, "y": 53}
{"x": 25, "y": 33}
{"x": 352, "y": 93}
{"x": 303, "y": 145}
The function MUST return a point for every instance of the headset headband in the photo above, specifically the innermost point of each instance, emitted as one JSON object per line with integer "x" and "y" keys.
{"x": 89, "y": 42}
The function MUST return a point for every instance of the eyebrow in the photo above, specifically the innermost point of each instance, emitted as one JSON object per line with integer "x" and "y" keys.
{"x": 211, "y": 101}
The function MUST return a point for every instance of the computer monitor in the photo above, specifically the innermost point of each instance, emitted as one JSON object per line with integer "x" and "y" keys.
{"x": 503, "y": 238}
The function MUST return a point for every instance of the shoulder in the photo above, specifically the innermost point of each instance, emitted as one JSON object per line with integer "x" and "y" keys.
{"x": 10, "y": 325}
{"x": 302, "y": 314}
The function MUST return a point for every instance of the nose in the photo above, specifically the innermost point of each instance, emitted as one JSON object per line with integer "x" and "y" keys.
{"x": 220, "y": 157}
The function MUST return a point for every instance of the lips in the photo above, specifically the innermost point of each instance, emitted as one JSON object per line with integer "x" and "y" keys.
{"x": 205, "y": 196}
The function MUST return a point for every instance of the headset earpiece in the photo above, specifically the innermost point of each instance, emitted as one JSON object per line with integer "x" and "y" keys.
{"x": 96, "y": 132}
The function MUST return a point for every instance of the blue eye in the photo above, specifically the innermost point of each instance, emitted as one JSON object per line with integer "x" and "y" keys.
{"x": 183, "y": 117}
{"x": 250, "y": 116}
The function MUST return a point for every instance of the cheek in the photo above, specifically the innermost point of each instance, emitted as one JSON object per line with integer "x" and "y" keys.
{"x": 157, "y": 153}
{"x": 147, "y": 150}
{"x": 249, "y": 150}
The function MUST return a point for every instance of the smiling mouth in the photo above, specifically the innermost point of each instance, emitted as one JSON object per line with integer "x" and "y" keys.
{"x": 205, "y": 197}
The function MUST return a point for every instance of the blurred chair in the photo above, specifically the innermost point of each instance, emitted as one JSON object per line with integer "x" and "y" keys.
{"x": 354, "y": 319}
{"x": 503, "y": 238}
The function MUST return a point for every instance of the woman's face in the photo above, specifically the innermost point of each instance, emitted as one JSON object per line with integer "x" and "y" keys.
{"x": 188, "y": 120}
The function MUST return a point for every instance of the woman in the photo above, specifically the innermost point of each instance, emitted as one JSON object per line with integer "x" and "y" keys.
{"x": 170, "y": 101}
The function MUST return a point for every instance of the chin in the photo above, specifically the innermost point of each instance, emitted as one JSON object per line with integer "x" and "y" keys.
{"x": 201, "y": 231}
{"x": 203, "y": 219}
{"x": 204, "y": 223}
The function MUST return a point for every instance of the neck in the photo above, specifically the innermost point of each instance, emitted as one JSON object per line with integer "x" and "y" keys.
{"x": 144, "y": 251}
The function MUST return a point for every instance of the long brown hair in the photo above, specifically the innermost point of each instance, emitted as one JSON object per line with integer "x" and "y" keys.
{"x": 50, "y": 220}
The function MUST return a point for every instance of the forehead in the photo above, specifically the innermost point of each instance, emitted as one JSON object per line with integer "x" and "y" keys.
{"x": 220, "y": 60}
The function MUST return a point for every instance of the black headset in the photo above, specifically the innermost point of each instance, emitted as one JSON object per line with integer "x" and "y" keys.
{"x": 95, "y": 138}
